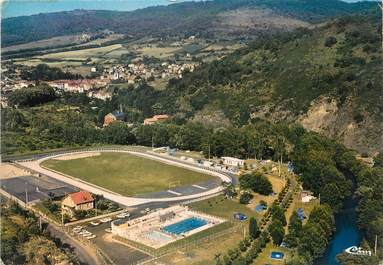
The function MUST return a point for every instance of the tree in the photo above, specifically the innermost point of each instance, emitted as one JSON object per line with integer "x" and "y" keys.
{"x": 348, "y": 259}
{"x": 229, "y": 190}
{"x": 378, "y": 160}
{"x": 330, "y": 41}
{"x": 277, "y": 213}
{"x": 277, "y": 232}
{"x": 295, "y": 228}
{"x": 316, "y": 232}
{"x": 32, "y": 96}
{"x": 256, "y": 182}
{"x": 79, "y": 214}
{"x": 245, "y": 197}
{"x": 253, "y": 228}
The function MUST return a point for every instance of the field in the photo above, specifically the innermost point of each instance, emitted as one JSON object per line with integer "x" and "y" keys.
{"x": 158, "y": 52}
{"x": 219, "y": 206}
{"x": 82, "y": 54}
{"x": 126, "y": 174}
{"x": 264, "y": 256}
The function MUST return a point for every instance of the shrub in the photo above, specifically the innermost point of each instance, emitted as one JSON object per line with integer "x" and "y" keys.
{"x": 330, "y": 41}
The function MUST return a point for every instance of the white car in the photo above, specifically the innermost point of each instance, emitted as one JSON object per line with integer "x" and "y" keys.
{"x": 84, "y": 232}
{"x": 95, "y": 223}
{"x": 108, "y": 230}
{"x": 105, "y": 220}
{"x": 123, "y": 215}
{"x": 90, "y": 236}
{"x": 77, "y": 229}
{"x": 87, "y": 234}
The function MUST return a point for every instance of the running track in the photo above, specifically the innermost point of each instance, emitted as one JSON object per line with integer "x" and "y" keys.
{"x": 34, "y": 165}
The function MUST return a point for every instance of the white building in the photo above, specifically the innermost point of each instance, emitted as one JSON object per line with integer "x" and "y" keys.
{"x": 232, "y": 161}
{"x": 306, "y": 196}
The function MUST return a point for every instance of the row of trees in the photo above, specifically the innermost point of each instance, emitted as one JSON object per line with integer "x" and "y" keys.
{"x": 312, "y": 238}
{"x": 32, "y": 96}
{"x": 43, "y": 72}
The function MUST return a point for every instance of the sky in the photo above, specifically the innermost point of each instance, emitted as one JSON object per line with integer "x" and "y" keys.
{"x": 13, "y": 8}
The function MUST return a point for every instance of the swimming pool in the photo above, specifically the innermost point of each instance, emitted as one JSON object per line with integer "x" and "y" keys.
{"x": 185, "y": 225}
{"x": 277, "y": 255}
{"x": 159, "y": 237}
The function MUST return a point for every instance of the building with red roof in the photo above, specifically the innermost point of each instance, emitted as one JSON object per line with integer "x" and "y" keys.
{"x": 82, "y": 200}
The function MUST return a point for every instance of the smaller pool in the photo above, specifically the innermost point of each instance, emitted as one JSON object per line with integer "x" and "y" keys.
{"x": 185, "y": 226}
{"x": 158, "y": 237}
{"x": 277, "y": 255}
{"x": 260, "y": 208}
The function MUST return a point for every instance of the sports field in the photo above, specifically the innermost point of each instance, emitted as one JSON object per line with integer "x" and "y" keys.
{"x": 126, "y": 174}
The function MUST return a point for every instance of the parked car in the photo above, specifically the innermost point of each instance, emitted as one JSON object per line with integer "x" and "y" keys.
{"x": 77, "y": 229}
{"x": 105, "y": 220}
{"x": 86, "y": 234}
{"x": 123, "y": 215}
{"x": 83, "y": 232}
{"x": 90, "y": 236}
{"x": 95, "y": 223}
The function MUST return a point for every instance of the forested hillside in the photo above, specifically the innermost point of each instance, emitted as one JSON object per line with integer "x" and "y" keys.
{"x": 329, "y": 79}
{"x": 206, "y": 18}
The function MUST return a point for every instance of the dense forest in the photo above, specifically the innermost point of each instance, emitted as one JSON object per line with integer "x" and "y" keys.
{"x": 189, "y": 18}
{"x": 287, "y": 77}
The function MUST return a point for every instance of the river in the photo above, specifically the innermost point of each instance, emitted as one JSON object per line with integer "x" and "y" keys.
{"x": 346, "y": 234}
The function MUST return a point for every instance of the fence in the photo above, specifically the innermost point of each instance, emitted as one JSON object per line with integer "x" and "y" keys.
{"x": 102, "y": 256}
{"x": 157, "y": 253}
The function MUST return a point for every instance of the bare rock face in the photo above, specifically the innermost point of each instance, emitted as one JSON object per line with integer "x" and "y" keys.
{"x": 321, "y": 116}
{"x": 257, "y": 19}
{"x": 361, "y": 132}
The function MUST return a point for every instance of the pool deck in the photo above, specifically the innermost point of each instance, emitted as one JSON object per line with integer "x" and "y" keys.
{"x": 148, "y": 230}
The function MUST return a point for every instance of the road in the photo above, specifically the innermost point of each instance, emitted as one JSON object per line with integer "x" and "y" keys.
{"x": 34, "y": 165}
{"x": 84, "y": 253}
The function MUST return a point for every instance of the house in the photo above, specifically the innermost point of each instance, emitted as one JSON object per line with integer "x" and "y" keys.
{"x": 113, "y": 116}
{"x": 82, "y": 200}
{"x": 103, "y": 95}
{"x": 306, "y": 196}
{"x": 155, "y": 119}
{"x": 232, "y": 161}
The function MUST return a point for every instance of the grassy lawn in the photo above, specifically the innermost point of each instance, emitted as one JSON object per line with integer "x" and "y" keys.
{"x": 264, "y": 256}
{"x": 222, "y": 207}
{"x": 297, "y": 203}
{"x": 204, "y": 253}
{"x": 126, "y": 174}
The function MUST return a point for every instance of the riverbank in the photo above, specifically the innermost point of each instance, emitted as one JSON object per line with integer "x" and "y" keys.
{"x": 346, "y": 235}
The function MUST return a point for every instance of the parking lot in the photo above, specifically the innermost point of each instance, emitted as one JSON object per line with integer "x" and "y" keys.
{"x": 118, "y": 252}
{"x": 34, "y": 188}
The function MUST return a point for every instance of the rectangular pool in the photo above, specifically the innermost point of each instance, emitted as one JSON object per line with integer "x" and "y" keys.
{"x": 185, "y": 225}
